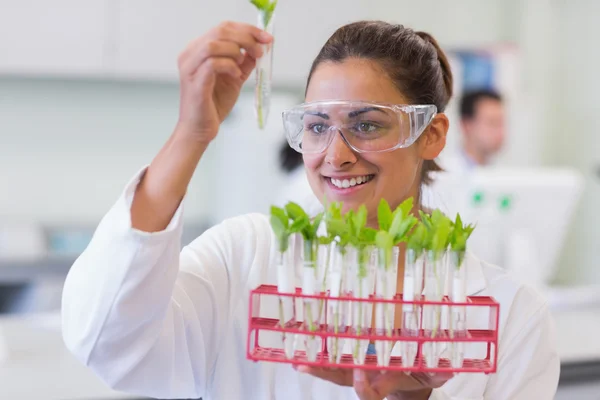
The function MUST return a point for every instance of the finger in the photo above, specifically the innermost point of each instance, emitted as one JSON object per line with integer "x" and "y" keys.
{"x": 212, "y": 48}
{"x": 363, "y": 387}
{"x": 221, "y": 65}
{"x": 257, "y": 33}
{"x": 339, "y": 377}
{"x": 433, "y": 380}
{"x": 248, "y": 37}
{"x": 391, "y": 382}
{"x": 247, "y": 66}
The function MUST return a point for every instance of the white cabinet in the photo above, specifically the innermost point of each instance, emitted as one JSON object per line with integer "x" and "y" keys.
{"x": 152, "y": 33}
{"x": 64, "y": 37}
{"x": 141, "y": 39}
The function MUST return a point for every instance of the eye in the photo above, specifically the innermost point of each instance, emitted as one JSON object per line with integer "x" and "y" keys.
{"x": 318, "y": 128}
{"x": 365, "y": 127}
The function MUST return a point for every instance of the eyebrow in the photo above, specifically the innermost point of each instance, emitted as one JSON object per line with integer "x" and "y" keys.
{"x": 316, "y": 113}
{"x": 356, "y": 113}
{"x": 351, "y": 114}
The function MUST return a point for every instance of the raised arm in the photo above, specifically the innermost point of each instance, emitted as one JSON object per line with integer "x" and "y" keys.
{"x": 143, "y": 315}
{"x": 212, "y": 71}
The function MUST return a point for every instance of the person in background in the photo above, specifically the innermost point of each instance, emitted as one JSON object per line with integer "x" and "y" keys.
{"x": 482, "y": 123}
{"x": 297, "y": 188}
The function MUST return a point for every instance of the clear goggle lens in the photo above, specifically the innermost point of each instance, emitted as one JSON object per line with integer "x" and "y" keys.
{"x": 365, "y": 127}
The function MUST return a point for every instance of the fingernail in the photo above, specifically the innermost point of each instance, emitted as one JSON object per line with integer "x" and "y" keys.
{"x": 359, "y": 375}
{"x": 266, "y": 36}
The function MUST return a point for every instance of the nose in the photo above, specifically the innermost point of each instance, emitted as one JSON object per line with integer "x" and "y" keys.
{"x": 339, "y": 154}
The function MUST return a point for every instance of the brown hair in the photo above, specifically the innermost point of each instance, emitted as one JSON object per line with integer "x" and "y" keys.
{"x": 413, "y": 60}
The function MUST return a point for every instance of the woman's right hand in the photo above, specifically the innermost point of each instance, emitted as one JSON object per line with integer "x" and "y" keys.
{"x": 212, "y": 70}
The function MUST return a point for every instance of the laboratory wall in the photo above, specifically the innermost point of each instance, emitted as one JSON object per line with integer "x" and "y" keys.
{"x": 68, "y": 147}
{"x": 573, "y": 137}
{"x": 78, "y": 140}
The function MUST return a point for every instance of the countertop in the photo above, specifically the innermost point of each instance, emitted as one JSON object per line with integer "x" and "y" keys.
{"x": 39, "y": 365}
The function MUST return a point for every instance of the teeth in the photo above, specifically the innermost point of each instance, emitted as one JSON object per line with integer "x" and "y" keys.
{"x": 347, "y": 183}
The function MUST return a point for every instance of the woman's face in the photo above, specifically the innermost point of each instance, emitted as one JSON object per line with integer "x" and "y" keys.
{"x": 395, "y": 175}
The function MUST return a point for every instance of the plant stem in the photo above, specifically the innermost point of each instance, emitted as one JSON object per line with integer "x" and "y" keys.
{"x": 324, "y": 284}
{"x": 310, "y": 260}
{"x": 281, "y": 315}
{"x": 359, "y": 324}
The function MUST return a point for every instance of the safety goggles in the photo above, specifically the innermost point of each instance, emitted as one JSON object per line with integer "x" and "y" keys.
{"x": 364, "y": 126}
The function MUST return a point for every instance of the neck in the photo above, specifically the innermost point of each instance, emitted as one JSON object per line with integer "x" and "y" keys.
{"x": 479, "y": 157}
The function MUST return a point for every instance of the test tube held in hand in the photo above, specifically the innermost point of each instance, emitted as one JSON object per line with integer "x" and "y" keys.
{"x": 263, "y": 72}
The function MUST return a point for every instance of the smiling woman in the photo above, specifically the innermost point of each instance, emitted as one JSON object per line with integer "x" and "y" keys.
{"x": 155, "y": 321}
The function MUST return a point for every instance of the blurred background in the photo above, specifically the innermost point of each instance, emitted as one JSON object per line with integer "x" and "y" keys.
{"x": 89, "y": 93}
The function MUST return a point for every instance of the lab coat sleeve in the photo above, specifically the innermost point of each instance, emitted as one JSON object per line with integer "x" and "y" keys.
{"x": 528, "y": 363}
{"x": 145, "y": 316}
{"x": 529, "y": 366}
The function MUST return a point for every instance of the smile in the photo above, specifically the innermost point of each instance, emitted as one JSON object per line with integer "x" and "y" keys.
{"x": 348, "y": 183}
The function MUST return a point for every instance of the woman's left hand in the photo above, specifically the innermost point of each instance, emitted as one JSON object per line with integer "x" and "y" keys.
{"x": 374, "y": 385}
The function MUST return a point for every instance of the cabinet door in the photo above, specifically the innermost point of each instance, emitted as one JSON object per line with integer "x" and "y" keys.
{"x": 59, "y": 37}
{"x": 152, "y": 33}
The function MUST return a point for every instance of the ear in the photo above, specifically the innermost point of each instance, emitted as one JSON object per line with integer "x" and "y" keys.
{"x": 433, "y": 140}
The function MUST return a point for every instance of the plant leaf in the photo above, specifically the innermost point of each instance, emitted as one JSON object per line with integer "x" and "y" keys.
{"x": 295, "y": 211}
{"x": 324, "y": 240}
{"x": 280, "y": 233}
{"x": 417, "y": 239}
{"x": 367, "y": 236}
{"x": 260, "y": 4}
{"x": 384, "y": 215}
{"x": 397, "y": 220}
{"x": 441, "y": 233}
{"x": 336, "y": 228}
{"x": 425, "y": 219}
{"x": 360, "y": 218}
{"x": 299, "y": 225}
{"x": 280, "y": 213}
{"x": 406, "y": 206}
{"x": 316, "y": 223}
{"x": 384, "y": 240}
{"x": 460, "y": 235}
{"x": 402, "y": 234}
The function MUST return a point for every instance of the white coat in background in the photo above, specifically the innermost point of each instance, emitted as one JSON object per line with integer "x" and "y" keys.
{"x": 155, "y": 321}
{"x": 298, "y": 190}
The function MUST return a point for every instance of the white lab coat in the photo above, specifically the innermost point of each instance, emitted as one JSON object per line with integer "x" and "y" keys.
{"x": 154, "y": 321}
{"x": 449, "y": 186}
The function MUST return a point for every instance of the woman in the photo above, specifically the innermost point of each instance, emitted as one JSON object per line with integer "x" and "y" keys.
{"x": 153, "y": 321}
